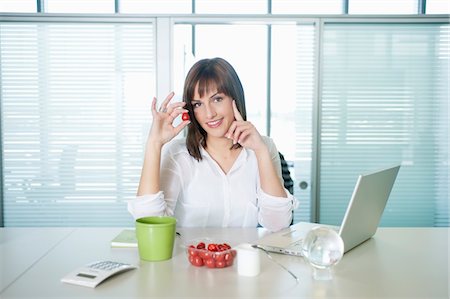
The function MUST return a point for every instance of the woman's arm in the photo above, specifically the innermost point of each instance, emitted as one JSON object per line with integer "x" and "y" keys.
{"x": 150, "y": 174}
{"x": 245, "y": 134}
{"x": 161, "y": 132}
{"x": 269, "y": 178}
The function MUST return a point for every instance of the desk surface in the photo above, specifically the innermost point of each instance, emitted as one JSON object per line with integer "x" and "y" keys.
{"x": 21, "y": 248}
{"x": 397, "y": 262}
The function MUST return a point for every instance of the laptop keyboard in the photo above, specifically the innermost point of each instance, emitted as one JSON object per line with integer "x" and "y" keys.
{"x": 294, "y": 249}
{"x": 297, "y": 244}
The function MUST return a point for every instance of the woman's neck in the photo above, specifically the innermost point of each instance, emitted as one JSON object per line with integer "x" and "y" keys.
{"x": 220, "y": 151}
{"x": 221, "y": 146}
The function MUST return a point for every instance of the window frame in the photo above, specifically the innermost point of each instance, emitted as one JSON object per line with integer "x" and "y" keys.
{"x": 164, "y": 58}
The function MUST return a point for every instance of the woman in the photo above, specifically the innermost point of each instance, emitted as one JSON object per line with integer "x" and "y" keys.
{"x": 224, "y": 173}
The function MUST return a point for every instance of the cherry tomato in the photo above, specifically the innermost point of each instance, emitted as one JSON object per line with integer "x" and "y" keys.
{"x": 198, "y": 261}
{"x": 219, "y": 256}
{"x": 191, "y": 259}
{"x": 185, "y": 116}
{"x": 201, "y": 245}
{"x": 204, "y": 254}
{"x": 212, "y": 247}
{"x": 228, "y": 257}
{"x": 192, "y": 251}
{"x": 210, "y": 263}
{"x": 220, "y": 264}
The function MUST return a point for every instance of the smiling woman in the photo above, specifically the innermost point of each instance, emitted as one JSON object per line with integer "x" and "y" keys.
{"x": 224, "y": 174}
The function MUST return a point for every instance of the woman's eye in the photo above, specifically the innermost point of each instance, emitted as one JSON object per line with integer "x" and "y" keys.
{"x": 218, "y": 99}
{"x": 196, "y": 105}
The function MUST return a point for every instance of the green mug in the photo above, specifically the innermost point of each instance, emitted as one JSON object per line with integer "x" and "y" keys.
{"x": 156, "y": 237}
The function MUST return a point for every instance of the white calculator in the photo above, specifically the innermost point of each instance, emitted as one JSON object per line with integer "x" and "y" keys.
{"x": 94, "y": 273}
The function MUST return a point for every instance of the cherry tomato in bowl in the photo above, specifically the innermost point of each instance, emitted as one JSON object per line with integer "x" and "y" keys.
{"x": 210, "y": 253}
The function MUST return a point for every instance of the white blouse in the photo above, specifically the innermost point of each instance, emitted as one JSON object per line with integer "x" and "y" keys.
{"x": 200, "y": 194}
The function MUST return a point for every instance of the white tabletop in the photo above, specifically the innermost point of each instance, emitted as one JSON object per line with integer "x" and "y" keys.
{"x": 397, "y": 262}
{"x": 21, "y": 248}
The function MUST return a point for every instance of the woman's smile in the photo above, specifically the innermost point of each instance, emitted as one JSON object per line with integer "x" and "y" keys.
{"x": 214, "y": 123}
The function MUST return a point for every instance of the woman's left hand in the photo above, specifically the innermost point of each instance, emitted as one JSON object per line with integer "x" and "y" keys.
{"x": 244, "y": 132}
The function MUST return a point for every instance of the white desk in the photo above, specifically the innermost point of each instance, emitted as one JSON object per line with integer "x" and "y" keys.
{"x": 397, "y": 262}
{"x": 21, "y": 248}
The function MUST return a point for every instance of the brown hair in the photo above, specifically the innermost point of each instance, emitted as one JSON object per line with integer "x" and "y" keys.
{"x": 210, "y": 73}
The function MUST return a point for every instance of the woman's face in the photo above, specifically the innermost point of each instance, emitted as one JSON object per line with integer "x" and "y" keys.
{"x": 213, "y": 111}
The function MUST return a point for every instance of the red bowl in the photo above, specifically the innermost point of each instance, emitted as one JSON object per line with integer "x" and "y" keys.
{"x": 211, "y": 254}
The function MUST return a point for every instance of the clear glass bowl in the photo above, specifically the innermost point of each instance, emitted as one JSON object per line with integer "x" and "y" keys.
{"x": 323, "y": 248}
{"x": 210, "y": 253}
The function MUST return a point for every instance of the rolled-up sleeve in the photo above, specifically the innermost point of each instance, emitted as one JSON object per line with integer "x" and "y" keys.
{"x": 275, "y": 213}
{"x": 147, "y": 205}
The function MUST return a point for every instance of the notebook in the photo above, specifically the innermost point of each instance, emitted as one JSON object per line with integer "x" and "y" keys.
{"x": 359, "y": 224}
{"x": 126, "y": 238}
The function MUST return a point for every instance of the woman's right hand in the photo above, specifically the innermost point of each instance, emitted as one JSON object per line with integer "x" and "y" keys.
{"x": 162, "y": 130}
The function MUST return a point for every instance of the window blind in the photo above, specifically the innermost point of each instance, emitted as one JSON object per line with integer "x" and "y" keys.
{"x": 385, "y": 101}
{"x": 75, "y": 111}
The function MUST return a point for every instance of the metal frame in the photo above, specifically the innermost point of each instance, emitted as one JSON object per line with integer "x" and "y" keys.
{"x": 316, "y": 127}
{"x": 2, "y": 222}
{"x": 422, "y": 6}
{"x": 269, "y": 80}
{"x": 40, "y": 4}
{"x": 221, "y": 18}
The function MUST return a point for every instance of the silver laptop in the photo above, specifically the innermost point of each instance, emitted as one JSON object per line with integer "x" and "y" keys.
{"x": 360, "y": 222}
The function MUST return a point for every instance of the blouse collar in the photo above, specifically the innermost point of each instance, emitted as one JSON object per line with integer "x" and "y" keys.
{"x": 241, "y": 159}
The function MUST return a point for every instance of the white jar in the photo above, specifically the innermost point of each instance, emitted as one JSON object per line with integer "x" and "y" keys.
{"x": 248, "y": 260}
